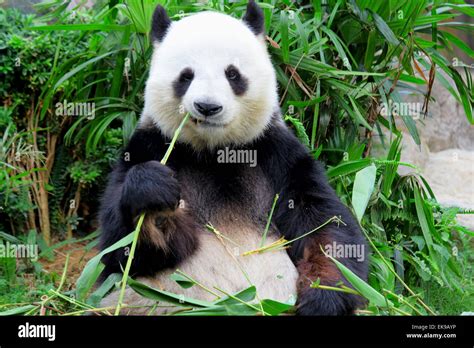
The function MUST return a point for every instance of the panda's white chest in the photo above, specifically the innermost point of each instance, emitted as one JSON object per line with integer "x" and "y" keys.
{"x": 220, "y": 267}
{"x": 220, "y": 261}
{"x": 219, "y": 264}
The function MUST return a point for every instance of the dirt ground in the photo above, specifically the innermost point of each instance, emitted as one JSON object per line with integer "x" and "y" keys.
{"x": 78, "y": 257}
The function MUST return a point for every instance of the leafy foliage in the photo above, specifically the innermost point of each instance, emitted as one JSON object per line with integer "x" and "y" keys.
{"x": 339, "y": 64}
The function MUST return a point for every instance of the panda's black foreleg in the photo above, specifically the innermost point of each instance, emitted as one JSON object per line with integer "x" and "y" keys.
{"x": 316, "y": 265}
{"x": 312, "y": 264}
{"x": 307, "y": 202}
{"x": 167, "y": 234}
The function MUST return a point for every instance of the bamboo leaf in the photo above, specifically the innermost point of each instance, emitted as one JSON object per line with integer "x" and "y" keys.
{"x": 348, "y": 167}
{"x": 82, "y": 66}
{"x": 166, "y": 296}
{"x": 95, "y": 298}
{"x": 363, "y": 187}
{"x": 384, "y": 29}
{"x": 273, "y": 307}
{"x": 370, "y": 51}
{"x": 299, "y": 129}
{"x": 183, "y": 281}
{"x": 17, "y": 310}
{"x": 361, "y": 286}
{"x": 284, "y": 42}
{"x": 425, "y": 229}
{"x": 80, "y": 27}
{"x": 246, "y": 295}
{"x": 93, "y": 268}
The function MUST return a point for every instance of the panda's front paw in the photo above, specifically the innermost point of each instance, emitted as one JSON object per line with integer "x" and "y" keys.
{"x": 150, "y": 186}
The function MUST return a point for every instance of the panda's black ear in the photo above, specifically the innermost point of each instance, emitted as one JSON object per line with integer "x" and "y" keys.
{"x": 254, "y": 18}
{"x": 159, "y": 24}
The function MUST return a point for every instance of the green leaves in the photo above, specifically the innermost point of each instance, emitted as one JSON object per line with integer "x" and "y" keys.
{"x": 465, "y": 92}
{"x": 81, "y": 67}
{"x": 357, "y": 115}
{"x": 165, "y": 296}
{"x": 272, "y": 307}
{"x": 93, "y": 268}
{"x": 284, "y": 41}
{"x": 390, "y": 171}
{"x": 299, "y": 129}
{"x": 361, "y": 286}
{"x": 182, "y": 280}
{"x": 384, "y": 29}
{"x": 95, "y": 298}
{"x": 370, "y": 51}
{"x": 363, "y": 187}
{"x": 80, "y": 27}
{"x": 245, "y": 295}
{"x": 338, "y": 45}
{"x": 423, "y": 220}
{"x": 348, "y": 167}
{"x": 240, "y": 303}
{"x": 17, "y": 310}
{"x": 458, "y": 42}
{"x": 139, "y": 13}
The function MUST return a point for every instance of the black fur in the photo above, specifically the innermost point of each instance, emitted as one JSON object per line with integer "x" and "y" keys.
{"x": 137, "y": 184}
{"x": 160, "y": 24}
{"x": 254, "y": 18}
{"x": 140, "y": 185}
{"x": 142, "y": 182}
{"x": 297, "y": 177}
{"x": 238, "y": 83}
{"x": 182, "y": 83}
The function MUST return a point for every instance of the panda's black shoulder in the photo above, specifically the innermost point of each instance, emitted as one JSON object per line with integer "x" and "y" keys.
{"x": 283, "y": 157}
{"x": 147, "y": 143}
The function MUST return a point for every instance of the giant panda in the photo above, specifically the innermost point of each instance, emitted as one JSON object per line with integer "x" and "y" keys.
{"x": 217, "y": 68}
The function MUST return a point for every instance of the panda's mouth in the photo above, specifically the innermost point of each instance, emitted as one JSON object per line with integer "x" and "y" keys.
{"x": 206, "y": 123}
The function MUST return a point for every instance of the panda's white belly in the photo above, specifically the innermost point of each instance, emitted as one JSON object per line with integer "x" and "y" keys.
{"x": 219, "y": 263}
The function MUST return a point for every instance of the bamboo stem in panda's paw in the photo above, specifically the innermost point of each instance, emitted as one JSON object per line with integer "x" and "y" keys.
{"x": 136, "y": 232}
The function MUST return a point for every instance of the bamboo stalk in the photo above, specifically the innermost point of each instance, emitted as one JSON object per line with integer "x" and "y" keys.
{"x": 136, "y": 233}
{"x": 282, "y": 243}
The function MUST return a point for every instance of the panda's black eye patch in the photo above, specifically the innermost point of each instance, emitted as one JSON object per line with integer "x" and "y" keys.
{"x": 181, "y": 84}
{"x": 186, "y": 75}
{"x": 237, "y": 82}
{"x": 232, "y": 73}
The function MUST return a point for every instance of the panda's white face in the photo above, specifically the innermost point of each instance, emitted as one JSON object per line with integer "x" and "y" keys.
{"x": 214, "y": 67}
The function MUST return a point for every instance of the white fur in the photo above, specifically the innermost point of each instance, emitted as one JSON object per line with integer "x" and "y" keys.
{"x": 215, "y": 265}
{"x": 208, "y": 43}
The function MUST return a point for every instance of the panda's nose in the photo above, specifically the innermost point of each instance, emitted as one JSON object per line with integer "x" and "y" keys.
{"x": 207, "y": 109}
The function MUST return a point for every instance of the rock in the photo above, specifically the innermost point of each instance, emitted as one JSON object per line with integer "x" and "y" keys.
{"x": 450, "y": 174}
{"x": 446, "y": 125}
{"x": 446, "y": 154}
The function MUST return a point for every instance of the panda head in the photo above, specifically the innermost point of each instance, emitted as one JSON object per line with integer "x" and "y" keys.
{"x": 216, "y": 68}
